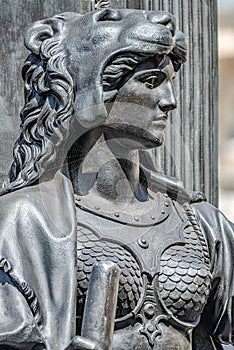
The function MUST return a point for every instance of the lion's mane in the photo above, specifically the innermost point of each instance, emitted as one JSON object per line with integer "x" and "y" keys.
{"x": 45, "y": 116}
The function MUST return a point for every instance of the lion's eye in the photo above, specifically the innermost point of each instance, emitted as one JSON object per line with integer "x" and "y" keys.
{"x": 151, "y": 80}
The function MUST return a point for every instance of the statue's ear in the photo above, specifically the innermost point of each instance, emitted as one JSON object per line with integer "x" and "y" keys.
{"x": 41, "y": 31}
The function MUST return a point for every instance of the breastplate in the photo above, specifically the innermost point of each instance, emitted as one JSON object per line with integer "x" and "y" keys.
{"x": 165, "y": 272}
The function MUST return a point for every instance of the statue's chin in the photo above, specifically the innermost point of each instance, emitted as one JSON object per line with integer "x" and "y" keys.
{"x": 149, "y": 144}
{"x": 149, "y": 141}
{"x": 135, "y": 138}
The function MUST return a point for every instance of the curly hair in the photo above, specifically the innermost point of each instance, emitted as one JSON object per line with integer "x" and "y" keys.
{"x": 49, "y": 101}
{"x": 44, "y": 118}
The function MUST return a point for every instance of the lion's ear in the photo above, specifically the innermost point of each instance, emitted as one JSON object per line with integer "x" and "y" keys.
{"x": 41, "y": 31}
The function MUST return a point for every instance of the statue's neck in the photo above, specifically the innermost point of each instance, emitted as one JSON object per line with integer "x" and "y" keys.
{"x": 106, "y": 168}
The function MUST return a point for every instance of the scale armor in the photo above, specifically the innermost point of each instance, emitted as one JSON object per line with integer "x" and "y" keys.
{"x": 91, "y": 249}
{"x": 181, "y": 285}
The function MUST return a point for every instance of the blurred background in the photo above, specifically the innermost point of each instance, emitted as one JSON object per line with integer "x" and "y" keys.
{"x": 226, "y": 107}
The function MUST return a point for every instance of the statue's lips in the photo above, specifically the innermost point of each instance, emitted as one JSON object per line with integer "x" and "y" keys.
{"x": 160, "y": 121}
{"x": 163, "y": 118}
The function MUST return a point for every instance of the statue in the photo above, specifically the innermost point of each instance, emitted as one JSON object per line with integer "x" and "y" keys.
{"x": 89, "y": 228}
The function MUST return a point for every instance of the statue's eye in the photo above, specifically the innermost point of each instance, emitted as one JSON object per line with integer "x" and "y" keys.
{"x": 152, "y": 79}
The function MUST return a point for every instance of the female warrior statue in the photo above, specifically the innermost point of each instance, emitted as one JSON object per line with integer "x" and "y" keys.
{"x": 82, "y": 190}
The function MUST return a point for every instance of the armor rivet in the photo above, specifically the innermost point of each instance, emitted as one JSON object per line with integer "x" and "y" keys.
{"x": 143, "y": 243}
{"x": 97, "y": 207}
{"x": 166, "y": 204}
{"x": 150, "y": 328}
{"x": 117, "y": 215}
{"x": 163, "y": 211}
{"x": 136, "y": 218}
{"x": 149, "y": 310}
{"x": 153, "y": 217}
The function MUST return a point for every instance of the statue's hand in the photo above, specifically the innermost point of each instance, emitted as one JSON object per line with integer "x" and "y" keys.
{"x": 81, "y": 343}
{"x": 196, "y": 197}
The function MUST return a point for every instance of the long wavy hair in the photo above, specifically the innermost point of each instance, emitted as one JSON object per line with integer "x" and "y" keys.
{"x": 44, "y": 118}
{"x": 49, "y": 101}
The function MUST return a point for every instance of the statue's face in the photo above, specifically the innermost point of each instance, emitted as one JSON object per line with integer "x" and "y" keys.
{"x": 139, "y": 114}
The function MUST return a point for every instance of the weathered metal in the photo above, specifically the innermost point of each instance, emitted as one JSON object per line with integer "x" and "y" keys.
{"x": 84, "y": 202}
{"x": 191, "y": 136}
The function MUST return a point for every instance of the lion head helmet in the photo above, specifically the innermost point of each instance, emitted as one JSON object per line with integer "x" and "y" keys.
{"x": 77, "y": 63}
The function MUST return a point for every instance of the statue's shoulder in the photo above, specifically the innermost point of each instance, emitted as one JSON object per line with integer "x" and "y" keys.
{"x": 18, "y": 201}
{"x": 55, "y": 190}
{"x": 47, "y": 206}
{"x": 206, "y": 210}
{"x": 214, "y": 222}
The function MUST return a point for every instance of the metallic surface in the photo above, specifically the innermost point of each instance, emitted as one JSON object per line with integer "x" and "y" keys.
{"x": 100, "y": 306}
{"x": 192, "y": 137}
{"x": 96, "y": 244}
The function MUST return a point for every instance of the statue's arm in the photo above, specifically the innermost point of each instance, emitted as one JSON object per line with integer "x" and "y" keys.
{"x": 100, "y": 309}
{"x": 41, "y": 253}
{"x": 218, "y": 313}
{"x": 81, "y": 343}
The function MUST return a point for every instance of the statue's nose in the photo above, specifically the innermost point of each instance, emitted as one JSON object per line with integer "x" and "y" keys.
{"x": 167, "y": 101}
